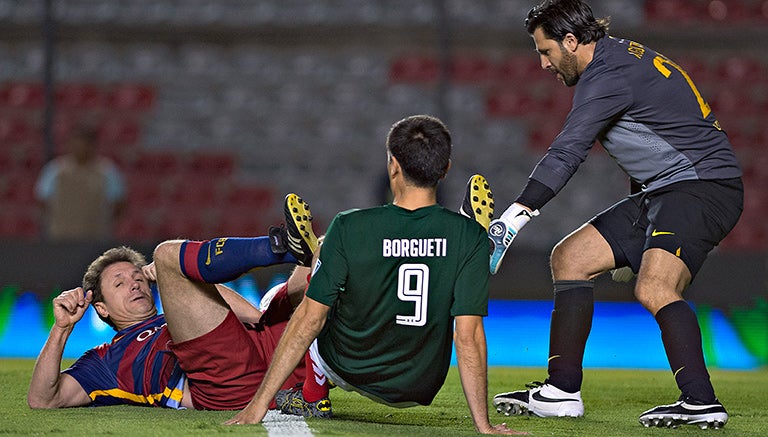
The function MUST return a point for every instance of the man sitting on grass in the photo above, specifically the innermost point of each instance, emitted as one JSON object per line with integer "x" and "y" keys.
{"x": 211, "y": 348}
{"x": 393, "y": 289}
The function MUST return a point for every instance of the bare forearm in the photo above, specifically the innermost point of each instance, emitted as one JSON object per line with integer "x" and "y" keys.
{"x": 46, "y": 376}
{"x": 471, "y": 356}
{"x": 304, "y": 326}
{"x": 475, "y": 385}
{"x": 290, "y": 351}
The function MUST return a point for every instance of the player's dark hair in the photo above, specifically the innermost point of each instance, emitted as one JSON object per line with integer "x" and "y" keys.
{"x": 558, "y": 18}
{"x": 92, "y": 276}
{"x": 422, "y": 146}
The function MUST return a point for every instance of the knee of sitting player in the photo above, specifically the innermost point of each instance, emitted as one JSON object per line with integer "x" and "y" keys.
{"x": 166, "y": 256}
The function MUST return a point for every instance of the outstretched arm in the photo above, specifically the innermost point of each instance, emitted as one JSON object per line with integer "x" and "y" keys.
{"x": 305, "y": 324}
{"x": 50, "y": 388}
{"x": 471, "y": 355}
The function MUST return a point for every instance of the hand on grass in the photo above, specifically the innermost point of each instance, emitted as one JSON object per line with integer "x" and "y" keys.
{"x": 502, "y": 429}
{"x": 249, "y": 415}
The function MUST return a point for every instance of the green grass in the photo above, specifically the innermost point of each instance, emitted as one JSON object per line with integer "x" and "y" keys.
{"x": 613, "y": 400}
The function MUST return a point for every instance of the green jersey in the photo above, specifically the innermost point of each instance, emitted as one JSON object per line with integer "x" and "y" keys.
{"x": 395, "y": 279}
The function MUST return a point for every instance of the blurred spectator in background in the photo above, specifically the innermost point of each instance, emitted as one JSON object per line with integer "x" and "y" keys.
{"x": 82, "y": 193}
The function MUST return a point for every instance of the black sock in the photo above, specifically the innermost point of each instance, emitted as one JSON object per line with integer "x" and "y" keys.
{"x": 569, "y": 328}
{"x": 681, "y": 336}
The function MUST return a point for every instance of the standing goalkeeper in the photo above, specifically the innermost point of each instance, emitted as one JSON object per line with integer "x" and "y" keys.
{"x": 647, "y": 113}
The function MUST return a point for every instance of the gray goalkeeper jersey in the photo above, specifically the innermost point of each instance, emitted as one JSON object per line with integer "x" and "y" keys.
{"x": 649, "y": 116}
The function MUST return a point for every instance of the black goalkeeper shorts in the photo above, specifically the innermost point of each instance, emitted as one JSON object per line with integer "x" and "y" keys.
{"x": 687, "y": 219}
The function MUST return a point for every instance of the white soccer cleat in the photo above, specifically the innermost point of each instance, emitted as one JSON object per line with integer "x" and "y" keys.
{"x": 686, "y": 411}
{"x": 542, "y": 400}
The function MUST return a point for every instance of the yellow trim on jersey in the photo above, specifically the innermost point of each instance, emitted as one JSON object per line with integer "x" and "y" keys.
{"x": 174, "y": 394}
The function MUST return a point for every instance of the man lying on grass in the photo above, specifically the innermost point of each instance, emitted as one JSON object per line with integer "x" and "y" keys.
{"x": 211, "y": 348}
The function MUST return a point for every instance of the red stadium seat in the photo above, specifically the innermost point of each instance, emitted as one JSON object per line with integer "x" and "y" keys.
{"x": 761, "y": 10}
{"x": 211, "y": 164}
{"x": 557, "y": 103}
{"x": 145, "y": 190}
{"x": 740, "y": 70}
{"x": 186, "y": 224}
{"x": 17, "y": 129}
{"x": 18, "y": 189}
{"x": 252, "y": 198}
{"x": 731, "y": 100}
{"x": 79, "y": 96}
{"x": 158, "y": 163}
{"x": 510, "y": 103}
{"x": 30, "y": 158}
{"x": 194, "y": 192}
{"x": 135, "y": 226}
{"x": 542, "y": 131}
{"x": 240, "y": 223}
{"x": 117, "y": 131}
{"x": 414, "y": 69}
{"x": 472, "y": 69}
{"x": 728, "y": 11}
{"x": 20, "y": 223}
{"x": 520, "y": 68}
{"x": 131, "y": 97}
{"x": 23, "y": 95}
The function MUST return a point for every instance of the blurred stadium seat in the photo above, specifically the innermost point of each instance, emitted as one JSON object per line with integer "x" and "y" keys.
{"x": 22, "y": 95}
{"x": 17, "y": 129}
{"x": 131, "y": 97}
{"x": 413, "y": 68}
{"x": 740, "y": 69}
{"x": 78, "y": 96}
{"x": 472, "y": 69}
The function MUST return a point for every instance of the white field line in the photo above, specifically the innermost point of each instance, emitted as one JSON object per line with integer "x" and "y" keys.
{"x": 285, "y": 425}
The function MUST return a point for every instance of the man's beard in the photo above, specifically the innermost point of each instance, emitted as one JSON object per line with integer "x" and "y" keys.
{"x": 568, "y": 68}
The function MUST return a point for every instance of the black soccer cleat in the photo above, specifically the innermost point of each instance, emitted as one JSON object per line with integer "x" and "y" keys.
{"x": 292, "y": 401}
{"x": 686, "y": 411}
{"x": 278, "y": 239}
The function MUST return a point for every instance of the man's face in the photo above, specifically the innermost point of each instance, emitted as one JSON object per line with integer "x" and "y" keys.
{"x": 127, "y": 296}
{"x": 556, "y": 59}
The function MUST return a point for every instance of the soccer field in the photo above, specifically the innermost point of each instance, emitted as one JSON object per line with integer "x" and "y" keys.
{"x": 613, "y": 400}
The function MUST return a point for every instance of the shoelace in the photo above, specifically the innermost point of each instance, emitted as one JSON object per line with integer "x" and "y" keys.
{"x": 534, "y": 384}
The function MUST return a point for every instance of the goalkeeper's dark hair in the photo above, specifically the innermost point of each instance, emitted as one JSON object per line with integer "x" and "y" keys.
{"x": 92, "y": 276}
{"x": 558, "y": 18}
{"x": 422, "y": 146}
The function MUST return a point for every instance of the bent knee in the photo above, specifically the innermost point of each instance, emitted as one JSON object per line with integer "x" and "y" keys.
{"x": 564, "y": 263}
{"x": 167, "y": 253}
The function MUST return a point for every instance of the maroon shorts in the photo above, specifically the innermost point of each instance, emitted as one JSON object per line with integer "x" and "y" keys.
{"x": 226, "y": 366}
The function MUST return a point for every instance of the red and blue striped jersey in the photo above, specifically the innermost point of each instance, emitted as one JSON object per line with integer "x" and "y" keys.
{"x": 136, "y": 368}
